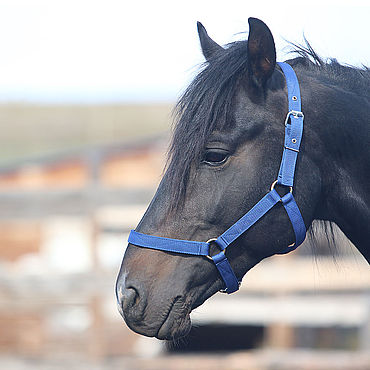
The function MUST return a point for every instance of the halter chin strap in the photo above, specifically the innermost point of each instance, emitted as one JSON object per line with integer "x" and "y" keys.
{"x": 293, "y": 136}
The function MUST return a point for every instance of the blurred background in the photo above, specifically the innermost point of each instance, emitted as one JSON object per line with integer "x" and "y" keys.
{"x": 86, "y": 93}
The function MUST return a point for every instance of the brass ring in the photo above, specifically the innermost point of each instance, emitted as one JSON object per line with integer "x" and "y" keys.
{"x": 210, "y": 241}
{"x": 274, "y": 184}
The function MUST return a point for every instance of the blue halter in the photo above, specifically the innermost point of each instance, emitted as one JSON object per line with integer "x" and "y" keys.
{"x": 293, "y": 136}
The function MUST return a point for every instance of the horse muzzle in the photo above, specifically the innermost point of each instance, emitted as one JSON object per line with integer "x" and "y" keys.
{"x": 161, "y": 318}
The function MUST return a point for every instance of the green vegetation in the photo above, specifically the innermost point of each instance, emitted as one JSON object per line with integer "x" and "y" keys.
{"x": 29, "y": 130}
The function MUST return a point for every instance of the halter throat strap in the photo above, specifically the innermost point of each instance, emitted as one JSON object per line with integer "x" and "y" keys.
{"x": 292, "y": 141}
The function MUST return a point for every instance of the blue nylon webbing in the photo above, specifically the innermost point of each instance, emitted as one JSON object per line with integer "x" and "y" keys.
{"x": 250, "y": 218}
{"x": 292, "y": 141}
{"x": 293, "y": 128}
{"x": 168, "y": 244}
{"x": 296, "y": 220}
{"x": 226, "y": 272}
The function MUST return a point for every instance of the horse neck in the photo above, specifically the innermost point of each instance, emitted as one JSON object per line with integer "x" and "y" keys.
{"x": 339, "y": 140}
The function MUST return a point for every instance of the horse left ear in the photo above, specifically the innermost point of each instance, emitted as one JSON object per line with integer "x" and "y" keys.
{"x": 261, "y": 51}
{"x": 209, "y": 47}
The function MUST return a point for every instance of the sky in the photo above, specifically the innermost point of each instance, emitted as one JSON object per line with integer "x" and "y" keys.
{"x": 63, "y": 51}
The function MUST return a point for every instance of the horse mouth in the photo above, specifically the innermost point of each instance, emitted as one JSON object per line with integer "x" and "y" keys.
{"x": 177, "y": 322}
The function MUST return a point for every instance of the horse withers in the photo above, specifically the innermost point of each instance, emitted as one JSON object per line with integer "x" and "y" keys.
{"x": 225, "y": 153}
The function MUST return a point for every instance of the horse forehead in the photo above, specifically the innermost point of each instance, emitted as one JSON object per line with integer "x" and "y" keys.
{"x": 246, "y": 112}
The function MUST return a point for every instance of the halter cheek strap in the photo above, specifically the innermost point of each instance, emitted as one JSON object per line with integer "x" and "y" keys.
{"x": 293, "y": 136}
{"x": 293, "y": 131}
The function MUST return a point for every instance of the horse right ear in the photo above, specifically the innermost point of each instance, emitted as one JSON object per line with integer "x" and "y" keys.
{"x": 261, "y": 51}
{"x": 209, "y": 47}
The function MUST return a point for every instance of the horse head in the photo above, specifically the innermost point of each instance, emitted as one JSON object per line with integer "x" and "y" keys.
{"x": 225, "y": 154}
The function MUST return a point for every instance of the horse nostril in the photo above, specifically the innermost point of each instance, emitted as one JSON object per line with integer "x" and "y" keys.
{"x": 131, "y": 301}
{"x": 129, "y": 298}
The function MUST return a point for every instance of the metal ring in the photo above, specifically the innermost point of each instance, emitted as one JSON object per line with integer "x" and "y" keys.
{"x": 274, "y": 184}
{"x": 210, "y": 241}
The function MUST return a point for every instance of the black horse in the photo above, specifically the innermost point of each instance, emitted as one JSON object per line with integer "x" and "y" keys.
{"x": 225, "y": 153}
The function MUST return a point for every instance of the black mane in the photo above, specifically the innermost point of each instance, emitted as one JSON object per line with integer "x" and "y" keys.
{"x": 329, "y": 71}
{"x": 206, "y": 104}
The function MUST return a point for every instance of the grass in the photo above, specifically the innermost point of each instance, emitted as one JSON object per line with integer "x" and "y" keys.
{"x": 29, "y": 130}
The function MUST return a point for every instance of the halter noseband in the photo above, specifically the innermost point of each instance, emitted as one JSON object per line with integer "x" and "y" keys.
{"x": 293, "y": 136}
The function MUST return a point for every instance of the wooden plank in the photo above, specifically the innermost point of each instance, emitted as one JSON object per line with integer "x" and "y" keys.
{"x": 282, "y": 274}
{"x": 348, "y": 310}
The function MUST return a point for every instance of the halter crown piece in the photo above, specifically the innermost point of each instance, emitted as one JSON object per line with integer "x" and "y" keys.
{"x": 292, "y": 141}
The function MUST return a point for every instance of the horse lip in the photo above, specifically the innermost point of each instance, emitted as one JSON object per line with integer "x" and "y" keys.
{"x": 166, "y": 331}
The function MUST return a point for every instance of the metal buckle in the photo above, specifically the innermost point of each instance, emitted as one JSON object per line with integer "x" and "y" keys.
{"x": 274, "y": 184}
{"x": 295, "y": 114}
{"x": 210, "y": 241}
{"x": 225, "y": 290}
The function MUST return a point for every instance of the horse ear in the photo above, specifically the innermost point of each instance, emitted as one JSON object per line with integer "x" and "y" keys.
{"x": 261, "y": 51}
{"x": 209, "y": 47}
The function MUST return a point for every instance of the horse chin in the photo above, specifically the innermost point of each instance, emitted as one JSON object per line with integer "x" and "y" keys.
{"x": 176, "y": 323}
{"x": 174, "y": 327}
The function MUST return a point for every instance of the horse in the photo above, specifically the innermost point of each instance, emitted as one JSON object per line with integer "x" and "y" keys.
{"x": 224, "y": 155}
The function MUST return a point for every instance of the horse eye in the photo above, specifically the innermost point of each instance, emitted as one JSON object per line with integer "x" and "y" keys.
{"x": 215, "y": 157}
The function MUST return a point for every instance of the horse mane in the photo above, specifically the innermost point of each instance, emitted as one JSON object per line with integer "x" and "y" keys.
{"x": 206, "y": 104}
{"x": 330, "y": 71}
